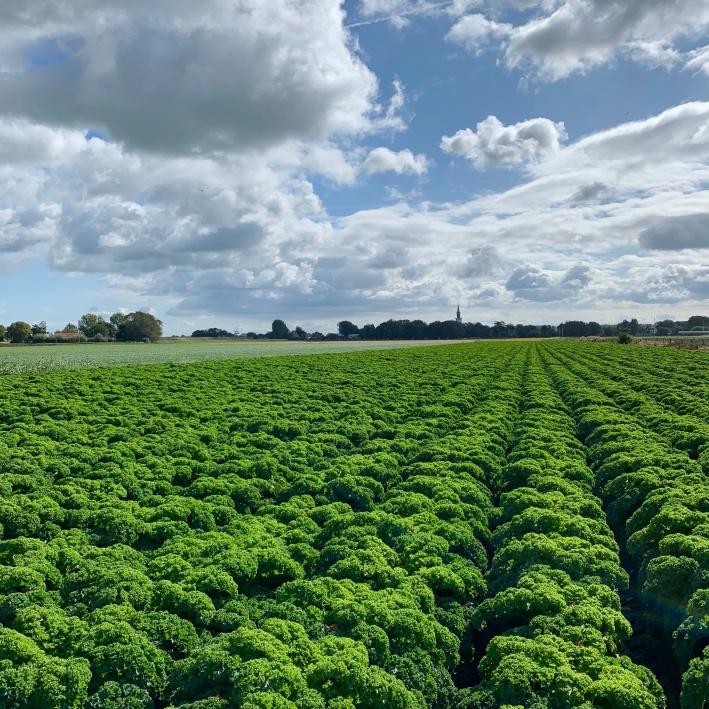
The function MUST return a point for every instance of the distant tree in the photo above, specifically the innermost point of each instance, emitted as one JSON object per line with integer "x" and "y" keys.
{"x": 442, "y": 330}
{"x": 92, "y": 325}
{"x": 70, "y": 327}
{"x": 624, "y": 337}
{"x": 138, "y": 326}
{"x": 3, "y": 333}
{"x": 394, "y": 330}
{"x": 413, "y": 329}
{"x": 347, "y": 328}
{"x": 251, "y": 335}
{"x": 665, "y": 327}
{"x": 300, "y": 333}
{"x": 526, "y": 331}
{"x": 697, "y": 321}
{"x": 450, "y": 329}
{"x": 316, "y": 335}
{"x": 279, "y": 330}
{"x": 118, "y": 319}
{"x": 368, "y": 332}
{"x": 19, "y": 331}
{"x": 631, "y": 326}
{"x": 434, "y": 330}
{"x": 477, "y": 330}
{"x": 578, "y": 328}
{"x": 212, "y": 332}
{"x": 502, "y": 329}
{"x": 39, "y": 328}
{"x": 386, "y": 330}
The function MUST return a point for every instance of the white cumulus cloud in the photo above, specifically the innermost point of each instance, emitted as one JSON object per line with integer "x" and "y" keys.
{"x": 167, "y": 77}
{"x": 568, "y": 36}
{"x": 475, "y": 31}
{"x": 401, "y": 162}
{"x": 493, "y": 143}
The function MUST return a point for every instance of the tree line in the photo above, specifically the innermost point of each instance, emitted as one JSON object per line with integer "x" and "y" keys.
{"x": 120, "y": 327}
{"x": 453, "y": 330}
{"x": 141, "y": 326}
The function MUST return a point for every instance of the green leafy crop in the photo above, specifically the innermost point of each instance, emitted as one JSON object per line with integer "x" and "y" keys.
{"x": 466, "y": 527}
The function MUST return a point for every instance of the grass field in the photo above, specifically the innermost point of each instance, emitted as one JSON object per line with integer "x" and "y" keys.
{"x": 28, "y": 358}
{"x": 521, "y": 524}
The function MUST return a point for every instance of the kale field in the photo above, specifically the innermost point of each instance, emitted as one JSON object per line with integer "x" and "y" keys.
{"x": 36, "y": 358}
{"x": 520, "y": 524}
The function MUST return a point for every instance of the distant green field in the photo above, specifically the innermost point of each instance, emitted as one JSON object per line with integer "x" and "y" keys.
{"x": 34, "y": 358}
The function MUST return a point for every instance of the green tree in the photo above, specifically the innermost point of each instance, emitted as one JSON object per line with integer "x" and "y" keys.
{"x": 347, "y": 328}
{"x": 39, "y": 328}
{"x": 70, "y": 327}
{"x": 117, "y": 319}
{"x": 697, "y": 321}
{"x": 137, "y": 326}
{"x": 92, "y": 325}
{"x": 19, "y": 331}
{"x": 632, "y": 326}
{"x": 279, "y": 330}
{"x": 3, "y": 332}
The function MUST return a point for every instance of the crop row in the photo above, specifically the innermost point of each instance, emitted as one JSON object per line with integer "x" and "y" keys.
{"x": 657, "y": 502}
{"x": 638, "y": 393}
{"x": 554, "y": 613}
{"x": 681, "y": 378}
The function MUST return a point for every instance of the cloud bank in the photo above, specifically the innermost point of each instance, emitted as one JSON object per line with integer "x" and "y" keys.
{"x": 213, "y": 205}
{"x": 563, "y": 37}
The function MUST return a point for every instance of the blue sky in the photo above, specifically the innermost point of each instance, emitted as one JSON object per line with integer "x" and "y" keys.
{"x": 232, "y": 163}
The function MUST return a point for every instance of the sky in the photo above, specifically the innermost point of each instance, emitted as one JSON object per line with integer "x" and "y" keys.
{"x": 228, "y": 162}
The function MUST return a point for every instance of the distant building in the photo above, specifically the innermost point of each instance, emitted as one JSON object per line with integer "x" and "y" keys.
{"x": 458, "y": 317}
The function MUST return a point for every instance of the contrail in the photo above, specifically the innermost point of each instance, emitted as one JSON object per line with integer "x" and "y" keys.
{"x": 417, "y": 11}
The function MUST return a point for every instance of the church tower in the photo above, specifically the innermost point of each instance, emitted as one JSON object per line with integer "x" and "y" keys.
{"x": 458, "y": 318}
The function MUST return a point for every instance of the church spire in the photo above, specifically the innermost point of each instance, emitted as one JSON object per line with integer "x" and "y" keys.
{"x": 458, "y": 318}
